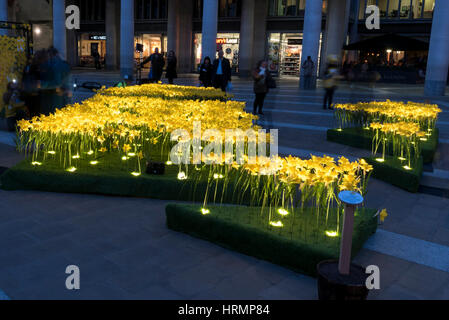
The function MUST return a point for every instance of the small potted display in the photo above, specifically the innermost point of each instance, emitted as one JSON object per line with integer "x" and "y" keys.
{"x": 342, "y": 280}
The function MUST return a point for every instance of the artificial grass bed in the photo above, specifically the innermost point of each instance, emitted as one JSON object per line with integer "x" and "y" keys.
{"x": 363, "y": 139}
{"x": 110, "y": 177}
{"x": 393, "y": 172}
{"x": 299, "y": 245}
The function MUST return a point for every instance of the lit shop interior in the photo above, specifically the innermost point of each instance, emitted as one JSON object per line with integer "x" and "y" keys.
{"x": 87, "y": 45}
{"x": 228, "y": 42}
{"x": 284, "y": 53}
{"x": 150, "y": 42}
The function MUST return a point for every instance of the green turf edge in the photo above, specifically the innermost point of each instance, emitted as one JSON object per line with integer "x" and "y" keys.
{"x": 360, "y": 138}
{"x": 163, "y": 187}
{"x": 297, "y": 255}
{"x": 391, "y": 171}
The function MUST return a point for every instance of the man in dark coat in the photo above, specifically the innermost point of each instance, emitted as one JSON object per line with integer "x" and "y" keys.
{"x": 221, "y": 72}
{"x": 157, "y": 65}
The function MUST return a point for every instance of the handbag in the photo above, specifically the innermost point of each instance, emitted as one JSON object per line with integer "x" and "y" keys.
{"x": 229, "y": 87}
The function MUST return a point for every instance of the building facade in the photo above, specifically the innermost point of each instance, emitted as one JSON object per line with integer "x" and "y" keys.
{"x": 284, "y": 32}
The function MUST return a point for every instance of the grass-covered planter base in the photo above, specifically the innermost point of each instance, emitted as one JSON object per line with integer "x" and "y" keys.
{"x": 363, "y": 139}
{"x": 299, "y": 245}
{"x": 392, "y": 171}
{"x": 110, "y": 177}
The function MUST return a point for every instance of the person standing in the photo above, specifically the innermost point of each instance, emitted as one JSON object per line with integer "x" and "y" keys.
{"x": 206, "y": 73}
{"x": 261, "y": 78}
{"x": 157, "y": 66}
{"x": 331, "y": 77}
{"x": 97, "y": 57}
{"x": 55, "y": 83}
{"x": 14, "y": 106}
{"x": 171, "y": 67}
{"x": 221, "y": 72}
{"x": 308, "y": 68}
{"x": 30, "y": 83}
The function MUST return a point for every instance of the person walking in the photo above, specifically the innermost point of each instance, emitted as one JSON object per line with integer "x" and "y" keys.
{"x": 157, "y": 66}
{"x": 206, "y": 73}
{"x": 171, "y": 67}
{"x": 308, "y": 68}
{"x": 221, "y": 72}
{"x": 331, "y": 77}
{"x": 261, "y": 78}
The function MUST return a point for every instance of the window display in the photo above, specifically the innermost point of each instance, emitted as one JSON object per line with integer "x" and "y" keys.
{"x": 228, "y": 42}
{"x": 88, "y": 44}
{"x": 284, "y": 53}
{"x": 150, "y": 42}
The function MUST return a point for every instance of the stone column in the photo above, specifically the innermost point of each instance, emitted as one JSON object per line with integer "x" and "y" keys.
{"x": 172, "y": 25}
{"x": 127, "y": 39}
{"x": 209, "y": 30}
{"x": 111, "y": 35}
{"x": 336, "y": 30}
{"x": 247, "y": 27}
{"x": 438, "y": 59}
{"x": 3, "y": 10}
{"x": 59, "y": 29}
{"x": 260, "y": 31}
{"x": 185, "y": 37}
{"x": 71, "y": 47}
{"x": 311, "y": 38}
{"x": 179, "y": 33}
{"x": 3, "y": 14}
{"x": 354, "y": 32}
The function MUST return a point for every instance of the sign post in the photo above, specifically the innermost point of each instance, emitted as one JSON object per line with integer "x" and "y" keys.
{"x": 351, "y": 200}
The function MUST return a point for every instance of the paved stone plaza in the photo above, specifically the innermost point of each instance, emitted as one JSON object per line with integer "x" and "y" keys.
{"x": 125, "y": 251}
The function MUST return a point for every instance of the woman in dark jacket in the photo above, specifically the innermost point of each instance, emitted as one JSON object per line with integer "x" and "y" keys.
{"x": 206, "y": 73}
{"x": 261, "y": 78}
{"x": 171, "y": 67}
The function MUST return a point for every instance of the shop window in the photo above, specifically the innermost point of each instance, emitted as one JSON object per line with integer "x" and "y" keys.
{"x": 416, "y": 9}
{"x": 324, "y": 6}
{"x": 393, "y": 8}
{"x": 150, "y": 9}
{"x": 92, "y": 10}
{"x": 229, "y": 8}
{"x": 406, "y": 8}
{"x": 429, "y": 6}
{"x": 139, "y": 9}
{"x": 163, "y": 7}
{"x": 147, "y": 9}
{"x": 228, "y": 42}
{"x": 287, "y": 8}
{"x": 362, "y": 7}
{"x": 197, "y": 9}
{"x": 383, "y": 6}
{"x": 154, "y": 9}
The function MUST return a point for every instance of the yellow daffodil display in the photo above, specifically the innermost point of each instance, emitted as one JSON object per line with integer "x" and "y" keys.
{"x": 133, "y": 124}
{"x": 364, "y": 113}
{"x": 405, "y": 137}
{"x": 167, "y": 92}
{"x": 12, "y": 61}
{"x": 400, "y": 127}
